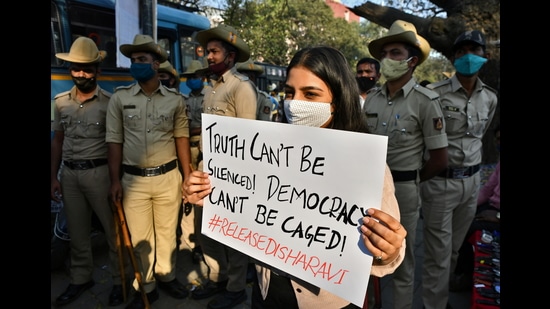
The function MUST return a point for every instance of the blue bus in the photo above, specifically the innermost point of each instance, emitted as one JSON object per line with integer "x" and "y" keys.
{"x": 96, "y": 19}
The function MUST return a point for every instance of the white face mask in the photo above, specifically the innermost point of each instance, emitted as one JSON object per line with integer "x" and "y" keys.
{"x": 305, "y": 113}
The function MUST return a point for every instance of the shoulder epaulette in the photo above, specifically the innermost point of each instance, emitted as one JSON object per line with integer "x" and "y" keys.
{"x": 438, "y": 84}
{"x": 173, "y": 90}
{"x": 265, "y": 94}
{"x": 62, "y": 94}
{"x": 490, "y": 88}
{"x": 123, "y": 87}
{"x": 105, "y": 92}
{"x": 427, "y": 92}
{"x": 241, "y": 76}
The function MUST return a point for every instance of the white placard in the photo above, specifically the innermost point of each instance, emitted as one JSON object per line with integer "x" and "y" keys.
{"x": 293, "y": 197}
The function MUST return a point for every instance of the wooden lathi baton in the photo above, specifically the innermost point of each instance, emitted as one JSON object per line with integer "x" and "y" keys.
{"x": 121, "y": 219}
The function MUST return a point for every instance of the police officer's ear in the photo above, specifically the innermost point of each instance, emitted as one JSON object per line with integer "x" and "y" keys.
{"x": 414, "y": 61}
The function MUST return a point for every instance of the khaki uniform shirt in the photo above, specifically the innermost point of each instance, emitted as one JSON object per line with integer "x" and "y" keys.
{"x": 466, "y": 119}
{"x": 412, "y": 120}
{"x": 146, "y": 126}
{"x": 83, "y": 124}
{"x": 194, "y": 108}
{"x": 233, "y": 94}
{"x": 264, "y": 106}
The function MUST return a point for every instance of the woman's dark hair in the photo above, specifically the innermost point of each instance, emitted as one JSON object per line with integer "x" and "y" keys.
{"x": 330, "y": 65}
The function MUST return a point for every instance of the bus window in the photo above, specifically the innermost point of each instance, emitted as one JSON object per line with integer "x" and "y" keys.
{"x": 55, "y": 39}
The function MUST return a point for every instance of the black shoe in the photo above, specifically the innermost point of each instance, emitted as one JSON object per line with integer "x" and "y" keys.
{"x": 227, "y": 300}
{"x": 173, "y": 288}
{"x": 117, "y": 295}
{"x": 210, "y": 289}
{"x": 461, "y": 283}
{"x": 446, "y": 307}
{"x": 137, "y": 302}
{"x": 72, "y": 292}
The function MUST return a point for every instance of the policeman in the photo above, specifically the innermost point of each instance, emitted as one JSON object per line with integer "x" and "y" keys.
{"x": 265, "y": 104}
{"x": 79, "y": 140}
{"x": 232, "y": 95}
{"x": 148, "y": 137}
{"x": 190, "y": 226}
{"x": 169, "y": 76}
{"x": 411, "y": 117}
{"x": 449, "y": 201}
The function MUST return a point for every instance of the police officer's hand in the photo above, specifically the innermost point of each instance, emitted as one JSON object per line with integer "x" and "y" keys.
{"x": 383, "y": 235}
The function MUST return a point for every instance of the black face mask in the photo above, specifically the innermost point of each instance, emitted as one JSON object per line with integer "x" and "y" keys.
{"x": 85, "y": 84}
{"x": 165, "y": 82}
{"x": 365, "y": 83}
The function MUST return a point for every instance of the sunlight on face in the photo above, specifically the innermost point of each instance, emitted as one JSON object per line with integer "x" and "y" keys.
{"x": 303, "y": 85}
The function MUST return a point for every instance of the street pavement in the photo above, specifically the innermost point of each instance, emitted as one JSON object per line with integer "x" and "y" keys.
{"x": 193, "y": 275}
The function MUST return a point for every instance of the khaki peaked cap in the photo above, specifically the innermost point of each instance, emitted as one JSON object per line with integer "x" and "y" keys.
{"x": 144, "y": 43}
{"x": 401, "y": 32}
{"x": 83, "y": 50}
{"x": 227, "y": 34}
{"x": 167, "y": 67}
{"x": 249, "y": 65}
{"x": 195, "y": 68}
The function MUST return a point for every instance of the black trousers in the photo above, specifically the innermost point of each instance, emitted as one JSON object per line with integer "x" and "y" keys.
{"x": 280, "y": 295}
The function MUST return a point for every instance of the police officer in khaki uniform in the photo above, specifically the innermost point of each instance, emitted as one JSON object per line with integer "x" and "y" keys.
{"x": 232, "y": 94}
{"x": 449, "y": 201}
{"x": 194, "y": 100}
{"x": 169, "y": 76}
{"x": 79, "y": 140}
{"x": 265, "y": 105}
{"x": 411, "y": 117}
{"x": 148, "y": 134}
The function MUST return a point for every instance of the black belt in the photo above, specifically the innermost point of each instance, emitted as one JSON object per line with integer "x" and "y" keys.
{"x": 194, "y": 144}
{"x": 84, "y": 164}
{"x": 404, "y": 175}
{"x": 150, "y": 171}
{"x": 459, "y": 172}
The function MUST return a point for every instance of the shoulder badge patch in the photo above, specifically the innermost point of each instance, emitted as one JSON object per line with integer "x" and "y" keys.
{"x": 438, "y": 123}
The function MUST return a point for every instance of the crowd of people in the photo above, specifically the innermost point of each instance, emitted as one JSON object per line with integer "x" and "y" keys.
{"x": 141, "y": 147}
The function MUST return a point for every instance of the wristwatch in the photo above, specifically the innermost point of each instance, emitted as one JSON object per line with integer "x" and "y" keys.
{"x": 498, "y": 215}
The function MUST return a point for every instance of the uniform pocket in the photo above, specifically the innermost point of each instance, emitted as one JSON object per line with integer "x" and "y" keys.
{"x": 132, "y": 117}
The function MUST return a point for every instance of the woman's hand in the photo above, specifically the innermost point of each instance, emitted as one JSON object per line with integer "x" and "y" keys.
{"x": 383, "y": 235}
{"x": 196, "y": 187}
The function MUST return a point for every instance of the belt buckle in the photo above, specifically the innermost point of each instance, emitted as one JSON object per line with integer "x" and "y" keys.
{"x": 151, "y": 171}
{"x": 460, "y": 172}
{"x": 79, "y": 165}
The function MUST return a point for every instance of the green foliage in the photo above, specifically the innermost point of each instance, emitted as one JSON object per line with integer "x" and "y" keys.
{"x": 276, "y": 29}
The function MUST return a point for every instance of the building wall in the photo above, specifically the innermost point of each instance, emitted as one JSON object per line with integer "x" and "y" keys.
{"x": 341, "y": 11}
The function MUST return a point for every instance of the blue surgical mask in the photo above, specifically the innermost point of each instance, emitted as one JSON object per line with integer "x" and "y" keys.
{"x": 469, "y": 64}
{"x": 142, "y": 72}
{"x": 194, "y": 83}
